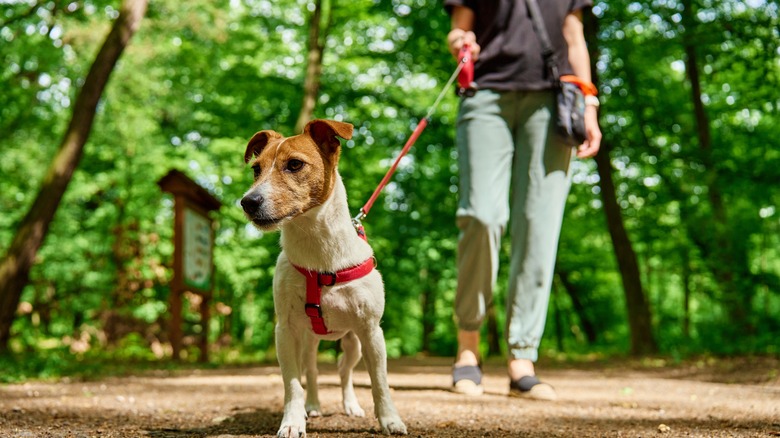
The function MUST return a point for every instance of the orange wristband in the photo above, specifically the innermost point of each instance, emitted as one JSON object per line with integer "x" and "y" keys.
{"x": 588, "y": 89}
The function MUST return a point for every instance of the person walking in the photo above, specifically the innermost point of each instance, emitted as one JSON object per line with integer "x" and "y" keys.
{"x": 511, "y": 159}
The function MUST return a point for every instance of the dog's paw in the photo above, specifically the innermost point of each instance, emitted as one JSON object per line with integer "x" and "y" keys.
{"x": 353, "y": 409}
{"x": 313, "y": 411}
{"x": 291, "y": 431}
{"x": 392, "y": 426}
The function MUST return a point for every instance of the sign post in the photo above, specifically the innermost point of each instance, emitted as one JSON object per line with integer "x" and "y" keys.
{"x": 193, "y": 266}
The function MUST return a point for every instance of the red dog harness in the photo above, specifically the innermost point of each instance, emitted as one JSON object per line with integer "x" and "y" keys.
{"x": 315, "y": 280}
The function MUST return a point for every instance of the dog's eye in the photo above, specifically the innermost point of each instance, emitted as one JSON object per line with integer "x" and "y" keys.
{"x": 294, "y": 165}
{"x": 256, "y": 169}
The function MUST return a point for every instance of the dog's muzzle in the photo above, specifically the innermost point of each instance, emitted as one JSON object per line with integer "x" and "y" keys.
{"x": 251, "y": 204}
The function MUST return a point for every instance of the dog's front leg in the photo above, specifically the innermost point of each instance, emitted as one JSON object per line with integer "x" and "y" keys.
{"x": 288, "y": 352}
{"x": 311, "y": 345}
{"x": 375, "y": 355}
{"x": 350, "y": 344}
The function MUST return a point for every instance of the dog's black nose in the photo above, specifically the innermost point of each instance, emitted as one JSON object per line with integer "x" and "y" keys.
{"x": 251, "y": 203}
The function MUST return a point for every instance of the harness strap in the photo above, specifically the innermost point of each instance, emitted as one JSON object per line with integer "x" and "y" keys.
{"x": 316, "y": 280}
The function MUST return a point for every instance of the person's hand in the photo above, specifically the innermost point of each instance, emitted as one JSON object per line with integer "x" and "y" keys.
{"x": 590, "y": 147}
{"x": 458, "y": 37}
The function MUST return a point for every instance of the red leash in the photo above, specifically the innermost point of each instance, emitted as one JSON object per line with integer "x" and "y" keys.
{"x": 416, "y": 133}
{"x": 466, "y": 87}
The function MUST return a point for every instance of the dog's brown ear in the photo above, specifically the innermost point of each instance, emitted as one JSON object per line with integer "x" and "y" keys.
{"x": 326, "y": 131}
{"x": 258, "y": 142}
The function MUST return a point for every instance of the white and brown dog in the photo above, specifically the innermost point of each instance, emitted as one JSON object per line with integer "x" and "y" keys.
{"x": 325, "y": 284}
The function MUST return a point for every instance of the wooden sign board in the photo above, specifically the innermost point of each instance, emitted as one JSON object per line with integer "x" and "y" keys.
{"x": 197, "y": 252}
{"x": 193, "y": 265}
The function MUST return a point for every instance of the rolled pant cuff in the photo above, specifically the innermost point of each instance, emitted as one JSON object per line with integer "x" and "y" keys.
{"x": 531, "y": 354}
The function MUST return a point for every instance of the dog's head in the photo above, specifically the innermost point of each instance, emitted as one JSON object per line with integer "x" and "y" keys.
{"x": 292, "y": 174}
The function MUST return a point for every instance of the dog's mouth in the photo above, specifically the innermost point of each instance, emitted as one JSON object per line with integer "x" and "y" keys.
{"x": 266, "y": 223}
{"x": 271, "y": 223}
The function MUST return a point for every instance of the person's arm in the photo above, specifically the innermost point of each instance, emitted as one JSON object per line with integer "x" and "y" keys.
{"x": 461, "y": 33}
{"x": 579, "y": 59}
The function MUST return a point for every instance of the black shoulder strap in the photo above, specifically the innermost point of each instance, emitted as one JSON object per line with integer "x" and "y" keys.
{"x": 544, "y": 38}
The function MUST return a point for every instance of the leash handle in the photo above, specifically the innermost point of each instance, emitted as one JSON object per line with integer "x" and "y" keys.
{"x": 466, "y": 85}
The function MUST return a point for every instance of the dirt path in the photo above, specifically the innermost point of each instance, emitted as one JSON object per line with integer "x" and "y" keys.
{"x": 739, "y": 399}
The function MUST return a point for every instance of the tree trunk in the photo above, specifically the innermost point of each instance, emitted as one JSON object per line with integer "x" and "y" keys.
{"x": 493, "y": 336}
{"x": 555, "y": 297}
{"x": 15, "y": 266}
{"x": 428, "y": 304}
{"x": 640, "y": 323}
{"x": 686, "y": 284}
{"x": 574, "y": 294}
{"x": 727, "y": 255}
{"x": 311, "y": 84}
{"x": 639, "y": 320}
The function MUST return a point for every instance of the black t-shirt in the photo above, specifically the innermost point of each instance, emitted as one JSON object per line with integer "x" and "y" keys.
{"x": 511, "y": 56}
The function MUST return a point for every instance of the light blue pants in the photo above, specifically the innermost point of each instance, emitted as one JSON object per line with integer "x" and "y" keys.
{"x": 507, "y": 147}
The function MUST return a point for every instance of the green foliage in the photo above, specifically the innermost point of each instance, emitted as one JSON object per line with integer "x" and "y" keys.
{"x": 200, "y": 78}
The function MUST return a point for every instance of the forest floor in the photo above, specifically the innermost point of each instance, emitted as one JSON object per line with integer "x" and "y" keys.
{"x": 706, "y": 398}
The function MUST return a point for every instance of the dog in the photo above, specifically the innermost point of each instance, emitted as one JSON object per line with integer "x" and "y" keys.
{"x": 325, "y": 285}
